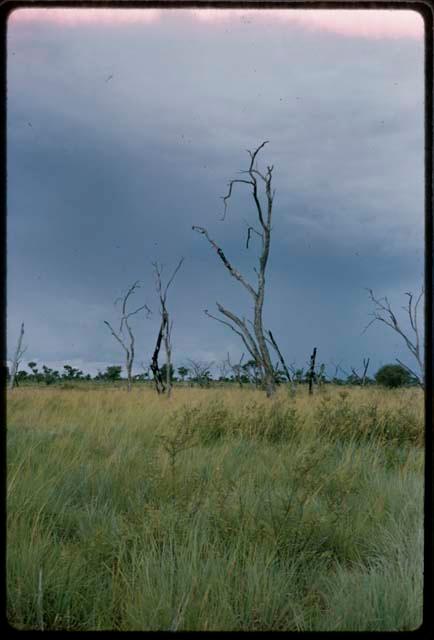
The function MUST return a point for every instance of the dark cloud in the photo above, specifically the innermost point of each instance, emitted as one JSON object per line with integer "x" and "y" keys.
{"x": 105, "y": 177}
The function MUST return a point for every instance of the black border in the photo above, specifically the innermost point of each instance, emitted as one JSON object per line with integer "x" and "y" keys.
{"x": 426, "y": 9}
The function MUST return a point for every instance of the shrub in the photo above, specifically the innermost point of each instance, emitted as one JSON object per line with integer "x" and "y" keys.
{"x": 341, "y": 421}
{"x": 393, "y": 376}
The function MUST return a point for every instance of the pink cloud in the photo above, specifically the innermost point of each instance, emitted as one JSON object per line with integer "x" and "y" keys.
{"x": 76, "y": 17}
{"x": 364, "y": 23}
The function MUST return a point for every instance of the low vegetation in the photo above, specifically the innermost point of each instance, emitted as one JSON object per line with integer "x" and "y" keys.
{"x": 218, "y": 509}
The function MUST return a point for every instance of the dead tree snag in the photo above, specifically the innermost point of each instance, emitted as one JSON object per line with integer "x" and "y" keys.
{"x": 20, "y": 350}
{"x": 255, "y": 342}
{"x": 164, "y": 333}
{"x": 127, "y": 345}
{"x": 384, "y": 313}
{"x": 311, "y": 373}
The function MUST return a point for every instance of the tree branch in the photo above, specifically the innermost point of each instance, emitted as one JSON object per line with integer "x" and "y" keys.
{"x": 413, "y": 373}
{"x": 225, "y": 198}
{"x": 276, "y": 348}
{"x": 249, "y": 230}
{"x": 228, "y": 324}
{"x": 115, "y": 335}
{"x": 173, "y": 277}
{"x": 383, "y": 313}
{"x": 249, "y": 340}
{"x": 236, "y": 274}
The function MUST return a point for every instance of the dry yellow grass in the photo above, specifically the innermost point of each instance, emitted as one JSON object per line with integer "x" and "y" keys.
{"x": 269, "y": 515}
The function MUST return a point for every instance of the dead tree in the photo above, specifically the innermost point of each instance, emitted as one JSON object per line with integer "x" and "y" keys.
{"x": 200, "y": 371}
{"x": 20, "y": 350}
{"x": 224, "y": 369}
{"x": 384, "y": 313}
{"x": 311, "y": 373}
{"x": 255, "y": 342}
{"x": 360, "y": 379}
{"x": 365, "y": 370}
{"x": 129, "y": 343}
{"x": 164, "y": 333}
{"x": 158, "y": 378}
{"x": 236, "y": 369}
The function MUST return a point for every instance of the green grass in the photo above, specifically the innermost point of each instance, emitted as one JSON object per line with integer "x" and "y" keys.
{"x": 215, "y": 510}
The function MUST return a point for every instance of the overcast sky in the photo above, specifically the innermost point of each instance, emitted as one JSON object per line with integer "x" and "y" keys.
{"x": 124, "y": 128}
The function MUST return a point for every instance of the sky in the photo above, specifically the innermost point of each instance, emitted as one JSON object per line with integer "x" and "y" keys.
{"x": 124, "y": 128}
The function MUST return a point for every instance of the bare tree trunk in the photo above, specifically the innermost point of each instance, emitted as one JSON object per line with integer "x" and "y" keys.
{"x": 269, "y": 379}
{"x": 312, "y": 371}
{"x": 255, "y": 344}
{"x": 164, "y": 333}
{"x": 168, "y": 349}
{"x": 256, "y": 371}
{"x": 158, "y": 378}
{"x": 129, "y": 376}
{"x": 129, "y": 350}
{"x": 365, "y": 369}
{"x": 17, "y": 358}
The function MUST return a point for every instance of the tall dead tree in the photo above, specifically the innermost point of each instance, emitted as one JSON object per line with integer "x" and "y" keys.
{"x": 127, "y": 344}
{"x": 164, "y": 333}
{"x": 384, "y": 313}
{"x": 311, "y": 373}
{"x": 361, "y": 379}
{"x": 20, "y": 350}
{"x": 255, "y": 342}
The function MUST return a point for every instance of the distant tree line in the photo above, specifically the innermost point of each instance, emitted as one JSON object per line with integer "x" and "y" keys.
{"x": 199, "y": 374}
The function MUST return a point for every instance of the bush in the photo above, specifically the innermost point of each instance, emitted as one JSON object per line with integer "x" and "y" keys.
{"x": 393, "y": 376}
{"x": 213, "y": 420}
{"x": 339, "y": 420}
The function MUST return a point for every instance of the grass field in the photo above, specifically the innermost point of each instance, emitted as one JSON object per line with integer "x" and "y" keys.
{"x": 214, "y": 510}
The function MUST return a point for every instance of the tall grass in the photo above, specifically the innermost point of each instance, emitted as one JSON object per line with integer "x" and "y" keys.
{"x": 216, "y": 510}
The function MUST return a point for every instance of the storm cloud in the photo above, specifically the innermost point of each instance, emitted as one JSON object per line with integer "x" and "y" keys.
{"x": 123, "y": 134}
